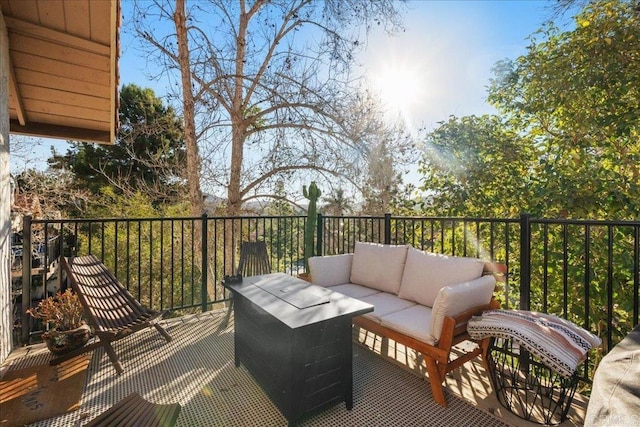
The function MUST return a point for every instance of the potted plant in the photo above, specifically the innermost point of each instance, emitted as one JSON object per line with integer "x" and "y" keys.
{"x": 63, "y": 314}
{"x": 313, "y": 194}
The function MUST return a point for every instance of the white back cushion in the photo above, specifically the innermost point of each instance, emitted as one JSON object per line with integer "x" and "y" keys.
{"x": 456, "y": 299}
{"x": 378, "y": 266}
{"x": 425, "y": 273}
{"x": 330, "y": 270}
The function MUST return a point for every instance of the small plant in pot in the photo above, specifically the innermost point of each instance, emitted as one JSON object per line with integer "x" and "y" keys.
{"x": 63, "y": 314}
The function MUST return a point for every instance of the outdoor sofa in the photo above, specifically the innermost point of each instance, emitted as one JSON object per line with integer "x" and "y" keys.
{"x": 421, "y": 300}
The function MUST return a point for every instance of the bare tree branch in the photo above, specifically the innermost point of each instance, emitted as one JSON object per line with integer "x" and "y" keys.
{"x": 269, "y": 102}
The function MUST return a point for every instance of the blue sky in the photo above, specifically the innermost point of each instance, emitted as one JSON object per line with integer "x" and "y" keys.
{"x": 445, "y": 54}
{"x": 453, "y": 45}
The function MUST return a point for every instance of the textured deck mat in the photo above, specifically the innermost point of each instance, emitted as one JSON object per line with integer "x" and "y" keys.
{"x": 196, "y": 369}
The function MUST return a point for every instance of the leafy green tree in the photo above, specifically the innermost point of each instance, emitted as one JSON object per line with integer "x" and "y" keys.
{"x": 284, "y": 232}
{"x": 562, "y": 7}
{"x": 475, "y": 166}
{"x": 281, "y": 205}
{"x": 148, "y": 155}
{"x": 155, "y": 258}
{"x": 576, "y": 94}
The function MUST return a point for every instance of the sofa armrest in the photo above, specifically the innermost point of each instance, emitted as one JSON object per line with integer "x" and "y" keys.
{"x": 330, "y": 270}
{"x": 454, "y": 300}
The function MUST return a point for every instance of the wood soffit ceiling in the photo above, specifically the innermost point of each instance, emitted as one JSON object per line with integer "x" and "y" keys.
{"x": 63, "y": 57}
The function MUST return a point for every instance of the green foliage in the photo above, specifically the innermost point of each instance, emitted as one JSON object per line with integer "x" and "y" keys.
{"x": 110, "y": 204}
{"x": 147, "y": 156}
{"x": 283, "y": 234}
{"x": 475, "y": 166}
{"x": 561, "y": 265}
{"x": 566, "y": 144}
{"x": 155, "y": 258}
{"x": 280, "y": 205}
{"x": 576, "y": 95}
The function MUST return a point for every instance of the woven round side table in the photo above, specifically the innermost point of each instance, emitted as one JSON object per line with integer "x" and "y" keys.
{"x": 526, "y": 387}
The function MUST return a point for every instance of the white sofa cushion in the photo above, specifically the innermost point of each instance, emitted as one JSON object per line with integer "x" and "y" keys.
{"x": 330, "y": 270}
{"x": 354, "y": 291}
{"x": 385, "y": 303}
{"x": 456, "y": 299}
{"x": 425, "y": 273}
{"x": 413, "y": 321}
{"x": 378, "y": 266}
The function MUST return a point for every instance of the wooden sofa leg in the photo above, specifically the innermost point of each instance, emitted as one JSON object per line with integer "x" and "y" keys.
{"x": 484, "y": 345}
{"x": 113, "y": 357}
{"x": 436, "y": 382}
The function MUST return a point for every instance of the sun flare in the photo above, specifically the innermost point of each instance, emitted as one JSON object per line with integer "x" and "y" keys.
{"x": 399, "y": 86}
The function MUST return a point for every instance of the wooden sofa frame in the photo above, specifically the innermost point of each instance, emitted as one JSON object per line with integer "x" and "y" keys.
{"x": 111, "y": 310}
{"x": 454, "y": 331}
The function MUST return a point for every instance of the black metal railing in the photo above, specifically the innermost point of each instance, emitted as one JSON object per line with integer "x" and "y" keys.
{"x": 487, "y": 238}
{"x": 584, "y": 271}
{"x": 581, "y": 270}
{"x": 173, "y": 264}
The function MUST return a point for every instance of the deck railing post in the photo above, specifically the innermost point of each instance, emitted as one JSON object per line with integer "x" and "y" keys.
{"x": 205, "y": 265}
{"x": 525, "y": 278}
{"x": 60, "y": 243}
{"x": 26, "y": 279}
{"x": 525, "y": 261}
{"x": 387, "y": 229}
{"x": 636, "y": 273}
{"x": 319, "y": 230}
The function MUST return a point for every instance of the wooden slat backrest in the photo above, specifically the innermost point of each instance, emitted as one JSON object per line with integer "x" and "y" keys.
{"x": 109, "y": 303}
{"x": 254, "y": 259}
{"x": 134, "y": 410}
{"x": 111, "y": 309}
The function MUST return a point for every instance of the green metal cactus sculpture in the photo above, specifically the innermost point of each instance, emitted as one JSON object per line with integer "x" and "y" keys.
{"x": 313, "y": 194}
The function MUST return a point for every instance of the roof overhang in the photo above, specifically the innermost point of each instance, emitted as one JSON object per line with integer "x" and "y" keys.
{"x": 63, "y": 58}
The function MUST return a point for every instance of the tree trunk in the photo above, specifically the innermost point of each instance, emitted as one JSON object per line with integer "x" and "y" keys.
{"x": 238, "y": 126}
{"x": 193, "y": 155}
{"x": 238, "y": 132}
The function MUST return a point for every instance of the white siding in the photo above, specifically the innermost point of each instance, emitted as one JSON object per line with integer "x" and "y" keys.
{"x": 5, "y": 199}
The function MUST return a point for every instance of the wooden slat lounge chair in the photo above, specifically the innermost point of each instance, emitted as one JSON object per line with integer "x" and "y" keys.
{"x": 254, "y": 261}
{"x": 112, "y": 311}
{"x": 133, "y": 411}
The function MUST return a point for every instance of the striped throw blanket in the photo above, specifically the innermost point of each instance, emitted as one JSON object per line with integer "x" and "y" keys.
{"x": 558, "y": 343}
